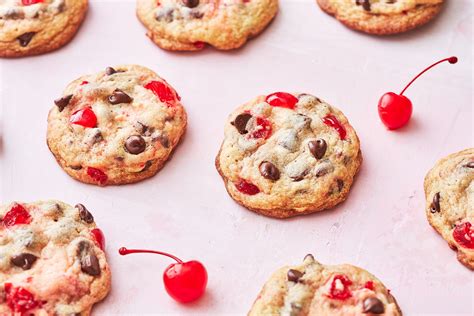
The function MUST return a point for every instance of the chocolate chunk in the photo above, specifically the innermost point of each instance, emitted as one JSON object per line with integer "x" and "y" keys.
{"x": 135, "y": 144}
{"x": 317, "y": 148}
{"x": 25, "y": 39}
{"x": 191, "y": 3}
{"x": 300, "y": 176}
{"x": 84, "y": 214}
{"x": 110, "y": 71}
{"x": 365, "y": 4}
{"x": 197, "y": 14}
{"x": 147, "y": 166}
{"x": 294, "y": 275}
{"x": 88, "y": 260}
{"x": 470, "y": 165}
{"x": 340, "y": 184}
{"x": 164, "y": 140}
{"x": 61, "y": 103}
{"x": 435, "y": 207}
{"x": 141, "y": 128}
{"x": 75, "y": 167}
{"x": 373, "y": 305}
{"x": 24, "y": 260}
{"x": 269, "y": 171}
{"x": 118, "y": 96}
{"x": 241, "y": 121}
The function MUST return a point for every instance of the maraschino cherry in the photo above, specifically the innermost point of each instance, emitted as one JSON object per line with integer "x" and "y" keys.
{"x": 184, "y": 281}
{"x": 395, "y": 109}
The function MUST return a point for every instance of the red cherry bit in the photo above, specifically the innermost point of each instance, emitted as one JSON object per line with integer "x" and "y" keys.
{"x": 99, "y": 237}
{"x": 395, "y": 110}
{"x": 30, "y": 2}
{"x": 464, "y": 235}
{"x": 84, "y": 117}
{"x": 17, "y": 215}
{"x": 184, "y": 281}
{"x": 282, "y": 99}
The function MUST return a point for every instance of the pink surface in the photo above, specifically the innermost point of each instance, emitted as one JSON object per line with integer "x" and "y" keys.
{"x": 185, "y": 209}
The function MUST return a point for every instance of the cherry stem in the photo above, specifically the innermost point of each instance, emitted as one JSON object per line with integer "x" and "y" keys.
{"x": 124, "y": 251}
{"x": 452, "y": 60}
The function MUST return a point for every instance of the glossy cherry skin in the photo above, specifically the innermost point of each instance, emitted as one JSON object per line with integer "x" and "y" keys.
{"x": 337, "y": 293}
{"x": 84, "y": 117}
{"x": 19, "y": 300}
{"x": 99, "y": 237}
{"x": 395, "y": 110}
{"x": 282, "y": 99}
{"x": 464, "y": 235}
{"x": 185, "y": 281}
{"x": 162, "y": 91}
{"x": 247, "y": 187}
{"x": 30, "y": 2}
{"x": 17, "y": 215}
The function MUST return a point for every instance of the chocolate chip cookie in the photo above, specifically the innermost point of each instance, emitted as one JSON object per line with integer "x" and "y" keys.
{"x": 31, "y": 27}
{"x": 382, "y": 17}
{"x": 117, "y": 126}
{"x": 449, "y": 190}
{"x": 189, "y": 25}
{"x": 288, "y": 154}
{"x": 316, "y": 289}
{"x": 52, "y": 260}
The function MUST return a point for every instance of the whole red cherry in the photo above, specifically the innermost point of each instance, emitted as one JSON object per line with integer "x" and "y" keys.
{"x": 184, "y": 281}
{"x": 395, "y": 110}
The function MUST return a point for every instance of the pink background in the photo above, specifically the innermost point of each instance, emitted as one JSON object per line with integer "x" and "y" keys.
{"x": 185, "y": 209}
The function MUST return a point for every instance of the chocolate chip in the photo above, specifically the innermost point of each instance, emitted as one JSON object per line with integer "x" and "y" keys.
{"x": 470, "y": 165}
{"x": 241, "y": 121}
{"x": 96, "y": 137}
{"x": 269, "y": 171}
{"x": 135, "y": 144}
{"x": 61, "y": 103}
{"x": 118, "y": 96}
{"x": 308, "y": 257}
{"x": 373, "y": 305}
{"x": 191, "y": 3}
{"x": 24, "y": 260}
{"x": 300, "y": 176}
{"x": 84, "y": 214}
{"x": 340, "y": 184}
{"x": 25, "y": 39}
{"x": 317, "y": 148}
{"x": 147, "y": 166}
{"x": 435, "y": 207}
{"x": 110, "y": 71}
{"x": 294, "y": 275}
{"x": 197, "y": 14}
{"x": 164, "y": 140}
{"x": 88, "y": 260}
{"x": 365, "y": 4}
{"x": 76, "y": 167}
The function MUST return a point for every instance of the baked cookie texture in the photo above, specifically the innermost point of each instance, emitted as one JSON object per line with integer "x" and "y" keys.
{"x": 188, "y": 25}
{"x": 382, "y": 17}
{"x": 316, "y": 289}
{"x": 51, "y": 263}
{"x": 117, "y": 126}
{"x": 449, "y": 191}
{"x": 29, "y": 27}
{"x": 285, "y": 161}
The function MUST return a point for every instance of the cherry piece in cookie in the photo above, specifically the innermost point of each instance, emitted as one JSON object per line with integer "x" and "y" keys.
{"x": 184, "y": 281}
{"x": 339, "y": 289}
{"x": 332, "y": 121}
{"x": 162, "y": 91}
{"x": 263, "y": 129}
{"x": 99, "y": 237}
{"x": 16, "y": 216}
{"x": 246, "y": 187}
{"x": 282, "y": 99}
{"x": 19, "y": 299}
{"x": 395, "y": 110}
{"x": 30, "y": 2}
{"x": 464, "y": 235}
{"x": 84, "y": 117}
{"x": 97, "y": 175}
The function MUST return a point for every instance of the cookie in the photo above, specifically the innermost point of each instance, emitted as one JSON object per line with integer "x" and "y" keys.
{"x": 288, "y": 154}
{"x": 382, "y": 17}
{"x": 188, "y": 25}
{"x": 31, "y": 27}
{"x": 449, "y": 191}
{"x": 52, "y": 260}
{"x": 316, "y": 289}
{"x": 117, "y": 126}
